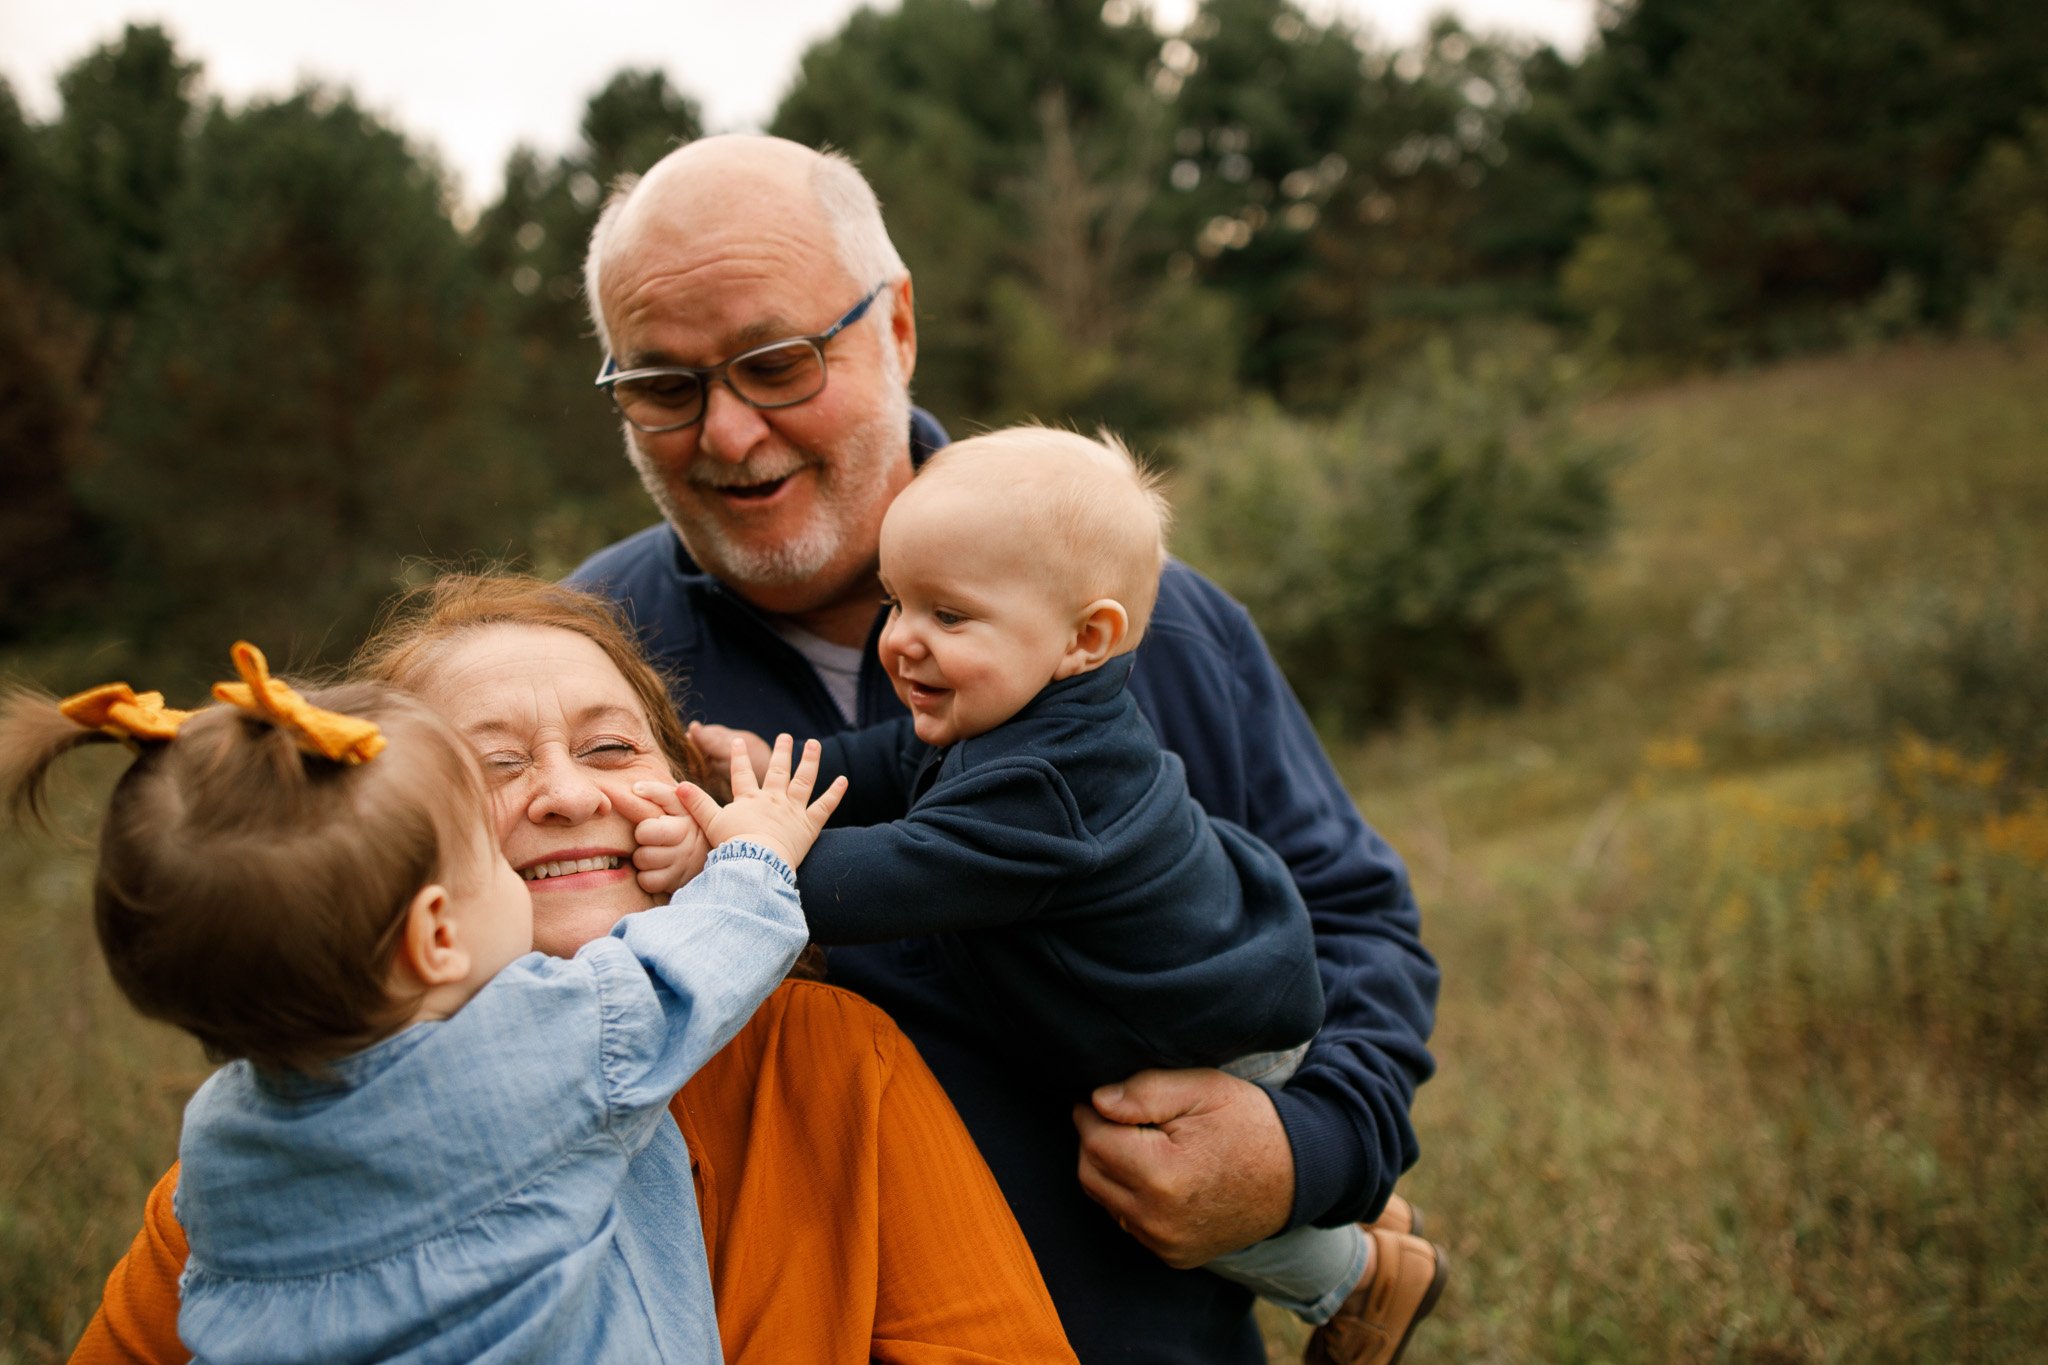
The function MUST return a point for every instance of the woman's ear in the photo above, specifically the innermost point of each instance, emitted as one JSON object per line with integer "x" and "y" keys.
{"x": 1103, "y": 625}
{"x": 430, "y": 947}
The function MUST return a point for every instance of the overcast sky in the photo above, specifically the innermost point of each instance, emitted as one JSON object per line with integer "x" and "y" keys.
{"x": 473, "y": 79}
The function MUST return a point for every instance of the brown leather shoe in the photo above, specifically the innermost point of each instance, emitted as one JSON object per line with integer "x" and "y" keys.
{"x": 1373, "y": 1326}
{"x": 1399, "y": 1216}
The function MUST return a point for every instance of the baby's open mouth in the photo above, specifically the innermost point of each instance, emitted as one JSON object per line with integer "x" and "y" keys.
{"x": 542, "y": 871}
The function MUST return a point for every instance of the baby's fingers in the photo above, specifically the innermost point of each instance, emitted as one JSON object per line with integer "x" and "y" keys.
{"x": 778, "y": 765}
{"x": 820, "y": 810}
{"x": 698, "y": 803}
{"x": 662, "y": 794}
{"x": 662, "y": 832}
{"x": 806, "y": 775}
{"x": 743, "y": 779}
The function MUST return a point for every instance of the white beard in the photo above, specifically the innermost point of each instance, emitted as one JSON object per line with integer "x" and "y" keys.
{"x": 853, "y": 483}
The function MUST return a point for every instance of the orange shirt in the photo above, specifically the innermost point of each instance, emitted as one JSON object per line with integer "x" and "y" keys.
{"x": 847, "y": 1214}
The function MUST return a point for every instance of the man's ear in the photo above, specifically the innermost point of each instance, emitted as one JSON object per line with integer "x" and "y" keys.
{"x": 903, "y": 327}
{"x": 430, "y": 949}
{"x": 1103, "y": 625}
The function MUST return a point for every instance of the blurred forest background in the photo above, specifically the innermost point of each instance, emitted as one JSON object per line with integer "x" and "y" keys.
{"x": 1637, "y": 459}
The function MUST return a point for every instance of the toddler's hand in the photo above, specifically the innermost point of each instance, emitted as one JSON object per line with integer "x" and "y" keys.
{"x": 772, "y": 811}
{"x": 671, "y": 848}
{"x": 715, "y": 741}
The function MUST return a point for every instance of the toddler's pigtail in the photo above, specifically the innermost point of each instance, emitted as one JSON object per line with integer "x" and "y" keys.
{"x": 34, "y": 735}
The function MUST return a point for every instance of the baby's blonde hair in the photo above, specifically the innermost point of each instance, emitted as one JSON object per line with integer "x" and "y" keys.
{"x": 1096, "y": 506}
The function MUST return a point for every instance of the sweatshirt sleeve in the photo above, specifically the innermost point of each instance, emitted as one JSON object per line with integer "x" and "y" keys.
{"x": 987, "y": 847}
{"x": 137, "y": 1320}
{"x": 678, "y": 981}
{"x": 879, "y": 764}
{"x": 1216, "y": 697}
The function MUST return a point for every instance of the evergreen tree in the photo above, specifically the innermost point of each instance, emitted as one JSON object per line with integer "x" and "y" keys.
{"x": 531, "y": 244}
{"x": 302, "y": 409}
{"x": 119, "y": 154}
{"x": 1016, "y": 146}
{"x": 47, "y": 565}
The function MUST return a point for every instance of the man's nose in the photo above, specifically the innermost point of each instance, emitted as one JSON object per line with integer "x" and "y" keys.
{"x": 731, "y": 428}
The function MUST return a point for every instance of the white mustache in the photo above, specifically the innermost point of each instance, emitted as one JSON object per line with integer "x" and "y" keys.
{"x": 715, "y": 474}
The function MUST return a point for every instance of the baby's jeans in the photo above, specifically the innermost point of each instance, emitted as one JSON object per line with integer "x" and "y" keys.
{"x": 1308, "y": 1271}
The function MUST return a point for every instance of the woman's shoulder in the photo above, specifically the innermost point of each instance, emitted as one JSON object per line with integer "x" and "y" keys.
{"x": 811, "y": 1073}
{"x": 822, "y": 1024}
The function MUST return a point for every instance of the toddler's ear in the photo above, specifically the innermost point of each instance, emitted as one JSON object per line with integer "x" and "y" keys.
{"x": 1101, "y": 630}
{"x": 429, "y": 949}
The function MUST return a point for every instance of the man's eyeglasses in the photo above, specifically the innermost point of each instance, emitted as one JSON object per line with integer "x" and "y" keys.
{"x": 780, "y": 374}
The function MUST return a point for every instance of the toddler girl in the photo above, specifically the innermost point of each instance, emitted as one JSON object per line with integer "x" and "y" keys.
{"x": 431, "y": 1143}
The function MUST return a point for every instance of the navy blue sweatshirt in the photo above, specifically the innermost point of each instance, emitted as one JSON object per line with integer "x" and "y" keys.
{"x": 1214, "y": 697}
{"x": 1098, "y": 921}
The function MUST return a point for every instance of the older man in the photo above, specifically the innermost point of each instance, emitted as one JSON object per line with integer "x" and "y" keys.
{"x": 760, "y": 340}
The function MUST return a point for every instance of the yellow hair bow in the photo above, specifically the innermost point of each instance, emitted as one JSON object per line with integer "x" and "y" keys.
{"x": 345, "y": 739}
{"x": 119, "y": 710}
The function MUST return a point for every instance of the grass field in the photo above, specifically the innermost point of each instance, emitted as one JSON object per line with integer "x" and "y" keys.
{"x": 1744, "y": 1034}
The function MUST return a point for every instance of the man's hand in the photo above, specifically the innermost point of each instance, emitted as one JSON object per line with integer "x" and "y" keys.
{"x": 716, "y": 742}
{"x": 1191, "y": 1163}
{"x": 669, "y": 848}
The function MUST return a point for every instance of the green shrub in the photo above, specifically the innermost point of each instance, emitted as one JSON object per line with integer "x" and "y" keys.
{"x": 1971, "y": 678}
{"x": 2006, "y": 206}
{"x": 1643, "y": 299}
{"x": 1386, "y": 553}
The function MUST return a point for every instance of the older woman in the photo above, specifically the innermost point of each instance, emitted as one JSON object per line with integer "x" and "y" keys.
{"x": 846, "y": 1213}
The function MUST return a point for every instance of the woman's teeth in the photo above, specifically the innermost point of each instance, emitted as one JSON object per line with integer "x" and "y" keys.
{"x": 563, "y": 869}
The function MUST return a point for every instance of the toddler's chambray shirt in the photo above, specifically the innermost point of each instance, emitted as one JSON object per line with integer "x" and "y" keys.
{"x": 503, "y": 1185}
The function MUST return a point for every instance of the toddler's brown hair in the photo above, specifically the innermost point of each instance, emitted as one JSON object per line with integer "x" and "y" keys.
{"x": 253, "y": 894}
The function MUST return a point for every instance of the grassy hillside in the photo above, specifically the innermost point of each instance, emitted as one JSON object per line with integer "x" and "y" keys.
{"x": 1743, "y": 1031}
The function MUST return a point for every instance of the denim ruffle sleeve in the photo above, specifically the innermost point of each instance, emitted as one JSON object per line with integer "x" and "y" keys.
{"x": 675, "y": 983}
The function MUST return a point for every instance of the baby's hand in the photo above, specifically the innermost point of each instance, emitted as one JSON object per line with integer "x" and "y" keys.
{"x": 671, "y": 848}
{"x": 716, "y": 741}
{"x": 771, "y": 811}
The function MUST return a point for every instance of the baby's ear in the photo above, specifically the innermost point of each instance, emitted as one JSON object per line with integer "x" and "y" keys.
{"x": 1098, "y": 633}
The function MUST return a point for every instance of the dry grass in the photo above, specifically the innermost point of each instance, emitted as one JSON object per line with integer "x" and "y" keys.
{"x": 91, "y": 1095}
{"x": 1743, "y": 1031}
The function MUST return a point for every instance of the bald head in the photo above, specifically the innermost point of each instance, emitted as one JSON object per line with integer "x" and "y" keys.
{"x": 1095, "y": 515}
{"x": 725, "y": 185}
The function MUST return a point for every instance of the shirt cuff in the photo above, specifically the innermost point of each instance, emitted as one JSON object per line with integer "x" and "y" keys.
{"x": 746, "y": 848}
{"x": 1327, "y": 1153}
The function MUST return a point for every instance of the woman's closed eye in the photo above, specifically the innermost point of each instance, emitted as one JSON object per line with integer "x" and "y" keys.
{"x": 499, "y": 764}
{"x": 610, "y": 751}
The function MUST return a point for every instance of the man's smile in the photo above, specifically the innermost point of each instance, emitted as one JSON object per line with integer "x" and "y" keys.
{"x": 755, "y": 492}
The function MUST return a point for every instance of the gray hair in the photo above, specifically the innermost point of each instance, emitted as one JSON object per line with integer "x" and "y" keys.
{"x": 844, "y": 197}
